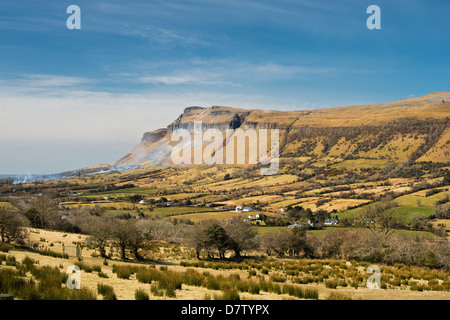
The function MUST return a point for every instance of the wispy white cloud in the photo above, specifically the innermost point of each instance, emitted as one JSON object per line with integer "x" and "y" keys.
{"x": 185, "y": 79}
{"x": 158, "y": 37}
{"x": 222, "y": 72}
{"x": 49, "y": 80}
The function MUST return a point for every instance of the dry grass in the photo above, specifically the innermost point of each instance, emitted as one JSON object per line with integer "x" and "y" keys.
{"x": 125, "y": 289}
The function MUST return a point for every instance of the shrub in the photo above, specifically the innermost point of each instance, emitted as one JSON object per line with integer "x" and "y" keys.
{"x": 87, "y": 268}
{"x": 331, "y": 284}
{"x": 311, "y": 294}
{"x": 28, "y": 262}
{"x": 275, "y": 288}
{"x": 192, "y": 278}
{"x": 170, "y": 292}
{"x": 212, "y": 283}
{"x": 5, "y": 247}
{"x": 338, "y": 296}
{"x": 106, "y": 291}
{"x": 155, "y": 291}
{"x": 277, "y": 278}
{"x": 123, "y": 272}
{"x": 141, "y": 295}
{"x": 170, "y": 281}
{"x": 288, "y": 289}
{"x": 228, "y": 294}
{"x": 10, "y": 261}
{"x": 147, "y": 275}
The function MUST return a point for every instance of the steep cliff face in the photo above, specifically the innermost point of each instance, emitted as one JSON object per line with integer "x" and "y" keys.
{"x": 150, "y": 150}
{"x": 416, "y": 129}
{"x": 216, "y": 117}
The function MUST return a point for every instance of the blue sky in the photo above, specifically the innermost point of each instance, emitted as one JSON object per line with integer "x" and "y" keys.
{"x": 74, "y": 98}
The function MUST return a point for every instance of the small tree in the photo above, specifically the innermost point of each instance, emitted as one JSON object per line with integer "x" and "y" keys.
{"x": 379, "y": 217}
{"x": 136, "y": 239}
{"x": 11, "y": 227}
{"x": 208, "y": 236}
{"x": 43, "y": 212}
{"x": 217, "y": 238}
{"x": 242, "y": 236}
{"x": 121, "y": 234}
{"x": 100, "y": 232}
{"x": 135, "y": 198}
{"x": 196, "y": 238}
{"x": 276, "y": 242}
{"x": 442, "y": 211}
{"x": 297, "y": 241}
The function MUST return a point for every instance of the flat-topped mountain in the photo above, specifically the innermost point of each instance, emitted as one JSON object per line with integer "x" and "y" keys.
{"x": 415, "y": 129}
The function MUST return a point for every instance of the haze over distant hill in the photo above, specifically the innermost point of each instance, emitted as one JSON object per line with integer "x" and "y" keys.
{"x": 415, "y": 129}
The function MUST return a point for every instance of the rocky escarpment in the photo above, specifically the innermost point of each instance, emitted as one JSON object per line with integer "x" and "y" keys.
{"x": 216, "y": 117}
{"x": 154, "y": 136}
{"x": 415, "y": 129}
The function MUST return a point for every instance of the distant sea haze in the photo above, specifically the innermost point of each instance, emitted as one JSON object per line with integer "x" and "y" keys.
{"x": 9, "y": 176}
{"x": 28, "y": 178}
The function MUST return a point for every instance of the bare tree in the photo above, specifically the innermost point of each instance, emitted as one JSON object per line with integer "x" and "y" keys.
{"x": 43, "y": 212}
{"x": 209, "y": 236}
{"x": 11, "y": 227}
{"x": 137, "y": 239}
{"x": 276, "y": 242}
{"x": 242, "y": 236}
{"x": 121, "y": 235}
{"x": 196, "y": 238}
{"x": 379, "y": 217}
{"x": 164, "y": 230}
{"x": 100, "y": 231}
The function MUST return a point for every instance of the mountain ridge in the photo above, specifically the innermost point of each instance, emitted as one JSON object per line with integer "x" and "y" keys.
{"x": 315, "y": 133}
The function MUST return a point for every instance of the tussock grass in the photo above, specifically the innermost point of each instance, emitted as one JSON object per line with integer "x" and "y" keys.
{"x": 54, "y": 254}
{"x": 47, "y": 283}
{"x": 88, "y": 268}
{"x": 141, "y": 295}
{"x": 106, "y": 291}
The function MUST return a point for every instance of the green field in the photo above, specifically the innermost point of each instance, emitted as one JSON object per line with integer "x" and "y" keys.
{"x": 413, "y": 198}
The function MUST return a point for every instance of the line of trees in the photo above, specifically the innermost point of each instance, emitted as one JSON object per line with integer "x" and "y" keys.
{"x": 360, "y": 245}
{"x": 130, "y": 235}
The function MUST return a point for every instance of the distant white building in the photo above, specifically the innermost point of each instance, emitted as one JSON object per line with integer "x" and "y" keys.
{"x": 243, "y": 209}
{"x": 297, "y": 225}
{"x": 330, "y": 222}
